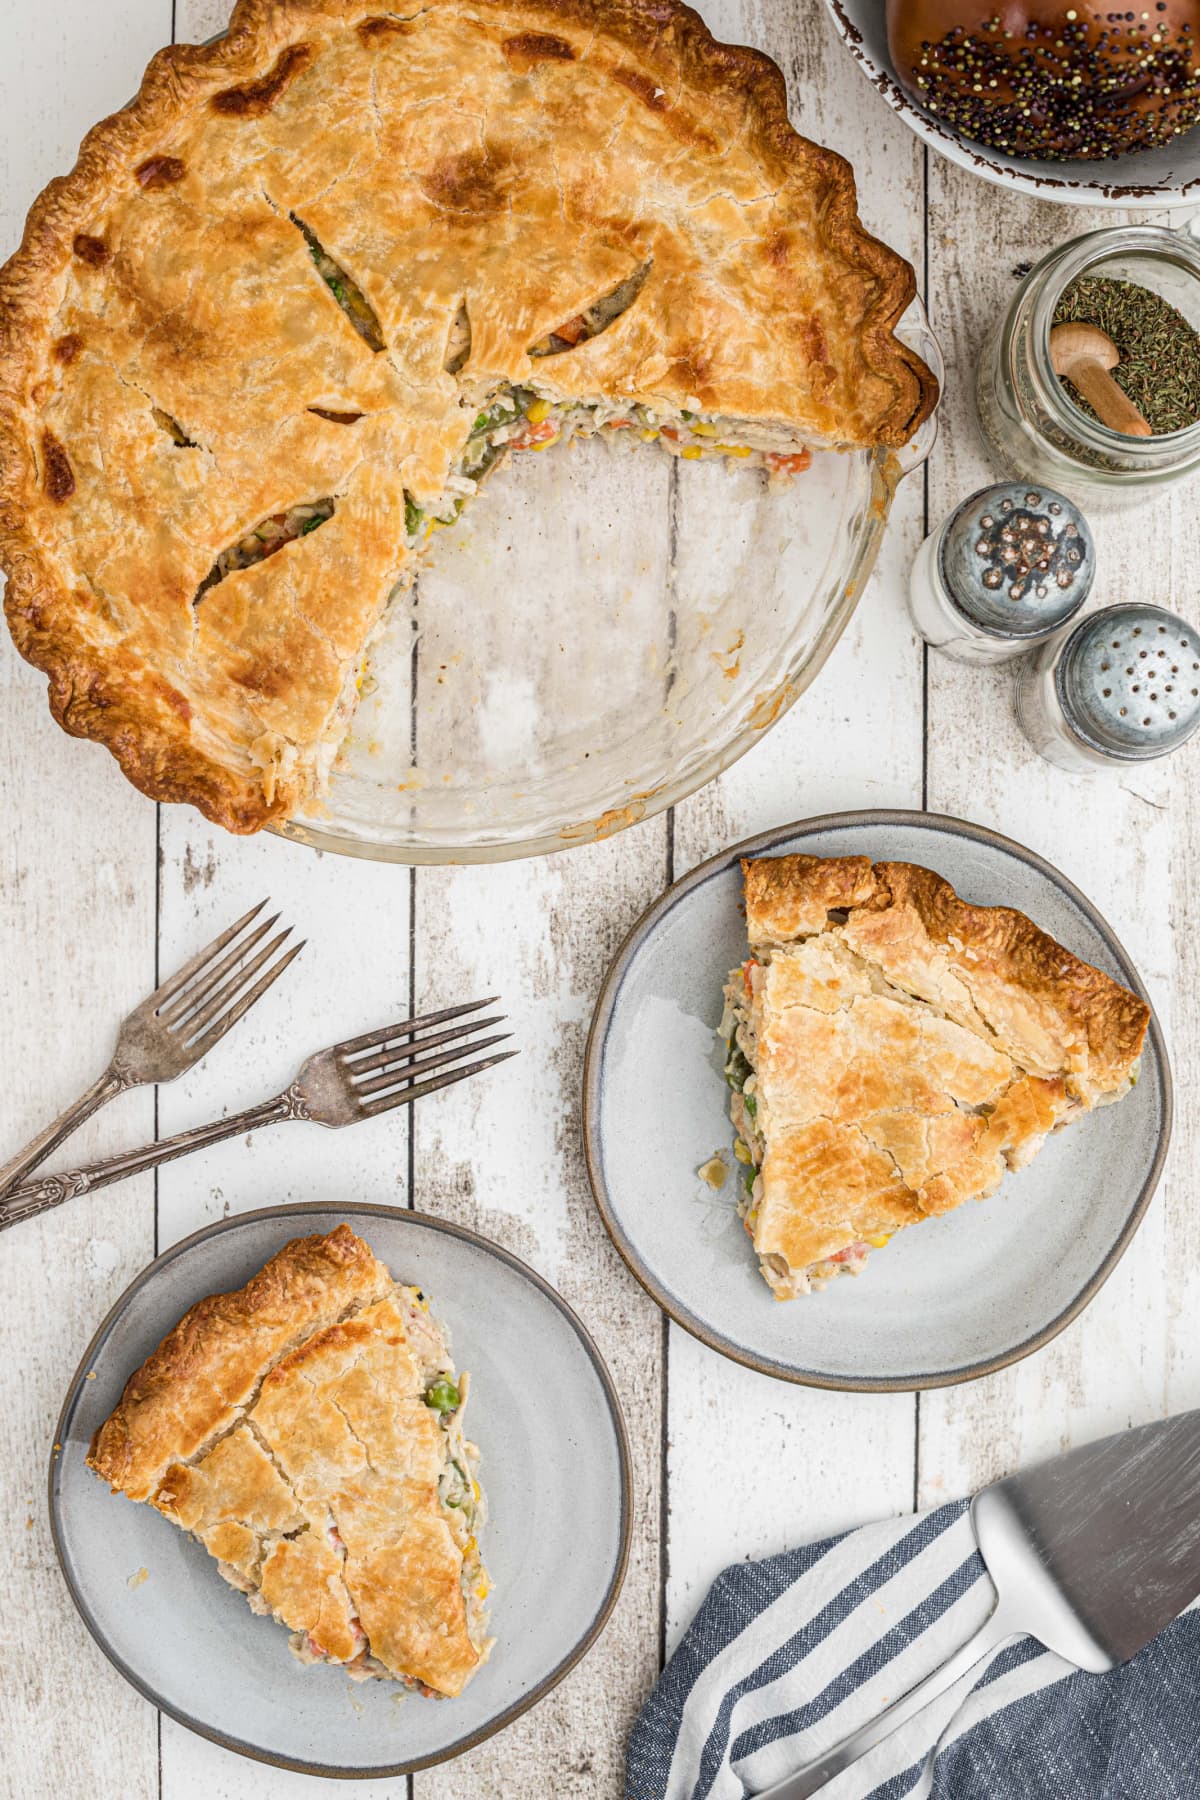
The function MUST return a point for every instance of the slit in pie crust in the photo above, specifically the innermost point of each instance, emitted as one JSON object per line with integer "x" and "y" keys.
{"x": 892, "y": 1051}
{"x": 323, "y": 250}
{"x": 308, "y": 1431}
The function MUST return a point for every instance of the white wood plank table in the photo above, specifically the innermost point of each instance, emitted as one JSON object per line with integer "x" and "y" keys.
{"x": 98, "y": 893}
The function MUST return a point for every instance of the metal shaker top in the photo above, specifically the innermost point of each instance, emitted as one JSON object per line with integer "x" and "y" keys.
{"x": 1128, "y": 681}
{"x": 1017, "y": 561}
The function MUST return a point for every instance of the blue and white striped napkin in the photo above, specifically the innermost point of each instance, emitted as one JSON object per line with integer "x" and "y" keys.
{"x": 787, "y": 1657}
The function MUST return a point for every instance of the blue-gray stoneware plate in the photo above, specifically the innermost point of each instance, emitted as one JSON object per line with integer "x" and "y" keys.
{"x": 961, "y": 1296}
{"x": 555, "y": 1465}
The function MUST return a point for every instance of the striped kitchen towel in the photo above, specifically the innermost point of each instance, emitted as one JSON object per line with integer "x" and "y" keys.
{"x": 787, "y": 1657}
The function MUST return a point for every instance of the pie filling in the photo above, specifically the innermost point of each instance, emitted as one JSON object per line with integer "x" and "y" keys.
{"x": 266, "y": 539}
{"x": 519, "y": 418}
{"x": 344, "y": 289}
{"x": 594, "y": 319}
{"x": 173, "y": 429}
{"x": 458, "y": 346}
{"x": 462, "y": 1500}
{"x": 737, "y": 1030}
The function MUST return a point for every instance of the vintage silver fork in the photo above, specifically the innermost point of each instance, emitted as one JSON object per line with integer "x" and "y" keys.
{"x": 339, "y": 1086}
{"x": 171, "y": 1032}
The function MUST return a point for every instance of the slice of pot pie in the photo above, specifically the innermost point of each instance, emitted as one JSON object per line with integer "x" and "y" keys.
{"x": 893, "y": 1050}
{"x": 307, "y": 1429}
{"x": 298, "y": 299}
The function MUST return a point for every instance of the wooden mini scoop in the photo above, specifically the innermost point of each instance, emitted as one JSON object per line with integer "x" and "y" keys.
{"x": 1083, "y": 355}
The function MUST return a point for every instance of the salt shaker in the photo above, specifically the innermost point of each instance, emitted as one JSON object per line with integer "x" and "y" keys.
{"x": 1121, "y": 687}
{"x": 1007, "y": 569}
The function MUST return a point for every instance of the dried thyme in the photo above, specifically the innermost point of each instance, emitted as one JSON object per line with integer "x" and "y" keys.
{"x": 1160, "y": 352}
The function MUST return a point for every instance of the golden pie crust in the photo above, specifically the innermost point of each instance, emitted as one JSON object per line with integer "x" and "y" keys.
{"x": 285, "y": 1426}
{"x": 908, "y": 1048}
{"x": 174, "y": 370}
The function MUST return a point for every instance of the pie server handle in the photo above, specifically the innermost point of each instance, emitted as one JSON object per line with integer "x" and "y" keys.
{"x": 996, "y": 1631}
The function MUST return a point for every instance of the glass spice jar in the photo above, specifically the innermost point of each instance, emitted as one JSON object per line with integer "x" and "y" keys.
{"x": 1008, "y": 568}
{"x": 1121, "y": 687}
{"x": 1026, "y": 411}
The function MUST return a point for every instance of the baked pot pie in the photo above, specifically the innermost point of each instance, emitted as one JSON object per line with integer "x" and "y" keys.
{"x": 307, "y": 1430}
{"x": 892, "y": 1051}
{"x": 320, "y": 278}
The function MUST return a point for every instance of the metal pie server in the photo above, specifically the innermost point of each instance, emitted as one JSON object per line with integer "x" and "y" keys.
{"x": 1091, "y": 1554}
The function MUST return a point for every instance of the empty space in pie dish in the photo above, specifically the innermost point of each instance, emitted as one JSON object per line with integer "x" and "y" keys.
{"x": 603, "y": 630}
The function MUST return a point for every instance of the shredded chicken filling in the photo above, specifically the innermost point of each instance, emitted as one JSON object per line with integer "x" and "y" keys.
{"x": 458, "y": 349}
{"x": 345, "y": 291}
{"x": 267, "y": 538}
{"x": 737, "y": 1030}
{"x": 594, "y": 319}
{"x": 521, "y": 419}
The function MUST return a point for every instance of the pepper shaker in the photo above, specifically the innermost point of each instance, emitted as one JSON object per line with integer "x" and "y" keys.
{"x": 1005, "y": 571}
{"x": 1120, "y": 687}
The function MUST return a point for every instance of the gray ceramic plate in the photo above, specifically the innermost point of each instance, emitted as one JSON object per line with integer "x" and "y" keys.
{"x": 555, "y": 1465}
{"x": 958, "y": 1297}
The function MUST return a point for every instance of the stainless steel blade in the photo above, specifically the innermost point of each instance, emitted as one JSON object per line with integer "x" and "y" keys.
{"x": 1091, "y": 1554}
{"x": 1100, "y": 1547}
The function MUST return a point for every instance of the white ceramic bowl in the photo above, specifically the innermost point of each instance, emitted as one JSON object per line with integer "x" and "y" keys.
{"x": 1164, "y": 177}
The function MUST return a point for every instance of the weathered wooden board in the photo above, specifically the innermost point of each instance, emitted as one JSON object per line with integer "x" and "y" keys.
{"x": 503, "y": 1156}
{"x": 95, "y": 896}
{"x": 1126, "y": 841}
{"x": 77, "y": 935}
{"x": 354, "y": 974}
{"x": 500, "y": 1155}
{"x": 796, "y": 1464}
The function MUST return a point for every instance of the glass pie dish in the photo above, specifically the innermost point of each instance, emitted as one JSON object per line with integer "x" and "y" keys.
{"x": 605, "y": 630}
